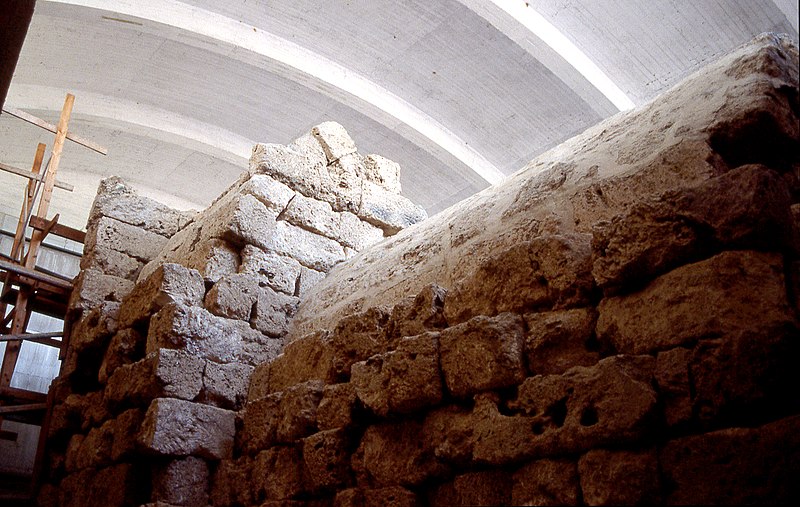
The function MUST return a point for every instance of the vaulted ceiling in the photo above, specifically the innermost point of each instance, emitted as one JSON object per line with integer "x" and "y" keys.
{"x": 459, "y": 92}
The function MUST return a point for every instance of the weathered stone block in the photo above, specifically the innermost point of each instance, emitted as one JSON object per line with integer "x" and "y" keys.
{"x": 115, "y": 486}
{"x": 387, "y": 210}
{"x": 164, "y": 373}
{"x": 308, "y": 358}
{"x": 734, "y": 466}
{"x": 239, "y": 219}
{"x": 326, "y": 463}
{"x": 278, "y": 473}
{"x": 300, "y": 165}
{"x": 549, "y": 272}
{"x": 483, "y": 353}
{"x": 393, "y": 496}
{"x": 557, "y": 341}
{"x": 546, "y": 482}
{"x": 169, "y": 283}
{"x": 121, "y": 237}
{"x": 357, "y": 337}
{"x": 308, "y": 279}
{"x": 401, "y": 381}
{"x": 233, "y": 297}
{"x": 415, "y": 315}
{"x": 92, "y": 288}
{"x": 204, "y": 335}
{"x": 336, "y": 408}
{"x": 311, "y": 250}
{"x": 334, "y": 139}
{"x": 231, "y": 482}
{"x": 383, "y": 172}
{"x": 273, "y": 311}
{"x": 94, "y": 330}
{"x": 674, "y": 388}
{"x": 225, "y": 385}
{"x": 181, "y": 482}
{"x": 126, "y": 346}
{"x": 741, "y": 290}
{"x": 344, "y": 227}
{"x": 261, "y": 418}
{"x": 213, "y": 259}
{"x": 278, "y": 272}
{"x": 182, "y": 428}
{"x": 620, "y": 477}
{"x": 111, "y": 262}
{"x": 474, "y": 488}
{"x": 272, "y": 193}
{"x": 111, "y": 442}
{"x": 298, "y": 411}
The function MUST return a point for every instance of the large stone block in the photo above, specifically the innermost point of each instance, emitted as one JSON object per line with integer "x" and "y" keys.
{"x": 278, "y": 272}
{"x": 620, "y": 477}
{"x": 401, "y": 381}
{"x": 164, "y": 373}
{"x": 337, "y": 407}
{"x": 112, "y": 262}
{"x": 309, "y": 358}
{"x": 475, "y": 488}
{"x": 557, "y": 341}
{"x": 308, "y": 279}
{"x": 483, "y": 353}
{"x": 272, "y": 193}
{"x": 737, "y": 291}
{"x": 126, "y": 346}
{"x": 301, "y": 165}
{"x": 169, "y": 283}
{"x": 546, "y": 482}
{"x": 92, "y": 287}
{"x": 94, "y": 330}
{"x": 225, "y": 385}
{"x": 182, "y": 428}
{"x": 311, "y": 250}
{"x": 182, "y": 481}
{"x": 273, "y": 312}
{"x": 387, "y": 210}
{"x": 326, "y": 460}
{"x": 124, "y": 238}
{"x": 204, "y": 335}
{"x": 231, "y": 482}
{"x": 552, "y": 271}
{"x": 320, "y": 218}
{"x": 233, "y": 296}
{"x": 674, "y": 387}
{"x": 119, "y": 485}
{"x": 417, "y": 314}
{"x": 213, "y": 259}
{"x": 734, "y": 466}
{"x": 383, "y": 172}
{"x": 239, "y": 219}
{"x": 392, "y": 496}
{"x": 278, "y": 473}
{"x": 334, "y": 139}
{"x": 357, "y": 337}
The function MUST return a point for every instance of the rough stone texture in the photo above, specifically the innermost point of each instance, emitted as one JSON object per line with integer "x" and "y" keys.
{"x": 164, "y": 373}
{"x": 182, "y": 428}
{"x": 181, "y": 482}
{"x": 334, "y": 139}
{"x": 619, "y": 477}
{"x": 276, "y": 271}
{"x": 483, "y": 353}
{"x": 417, "y": 314}
{"x": 336, "y": 409}
{"x": 309, "y": 358}
{"x": 272, "y": 193}
{"x": 475, "y": 488}
{"x": 557, "y": 341}
{"x": 273, "y": 312}
{"x": 278, "y": 473}
{"x": 169, "y": 283}
{"x": 230, "y": 482}
{"x": 112, "y": 262}
{"x": 204, "y": 335}
{"x": 92, "y": 287}
{"x": 308, "y": 279}
{"x": 232, "y": 297}
{"x": 738, "y": 466}
{"x": 393, "y": 496}
{"x": 389, "y": 211}
{"x": 326, "y": 463}
{"x": 124, "y": 238}
{"x": 402, "y": 381}
{"x": 117, "y": 486}
{"x": 225, "y": 385}
{"x": 358, "y": 337}
{"x": 95, "y": 329}
{"x": 546, "y": 482}
{"x": 382, "y": 171}
{"x": 126, "y": 346}
{"x": 675, "y": 390}
{"x": 311, "y": 250}
{"x": 737, "y": 289}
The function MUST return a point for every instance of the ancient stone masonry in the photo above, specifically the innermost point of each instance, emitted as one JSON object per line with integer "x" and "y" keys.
{"x": 173, "y": 311}
{"x": 615, "y": 324}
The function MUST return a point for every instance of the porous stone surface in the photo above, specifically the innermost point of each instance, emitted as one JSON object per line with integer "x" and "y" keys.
{"x": 169, "y": 283}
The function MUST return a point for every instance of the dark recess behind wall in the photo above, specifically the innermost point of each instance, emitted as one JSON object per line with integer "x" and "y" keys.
{"x": 15, "y": 16}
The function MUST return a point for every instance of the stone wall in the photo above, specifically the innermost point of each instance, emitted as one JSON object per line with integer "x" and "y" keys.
{"x": 615, "y": 324}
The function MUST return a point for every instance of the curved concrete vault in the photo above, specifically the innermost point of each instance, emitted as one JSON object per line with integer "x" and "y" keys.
{"x": 460, "y": 93}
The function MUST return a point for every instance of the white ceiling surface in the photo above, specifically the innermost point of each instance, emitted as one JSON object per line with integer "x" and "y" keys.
{"x": 458, "y": 92}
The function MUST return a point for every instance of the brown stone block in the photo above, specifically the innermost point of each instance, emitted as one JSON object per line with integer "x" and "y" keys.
{"x": 393, "y": 496}
{"x": 126, "y": 347}
{"x": 357, "y": 337}
{"x": 674, "y": 389}
{"x": 415, "y": 315}
{"x": 298, "y": 411}
{"x": 483, "y": 353}
{"x": 474, "y": 488}
{"x": 231, "y": 482}
{"x": 181, "y": 481}
{"x": 742, "y": 290}
{"x": 557, "y": 341}
{"x": 93, "y": 288}
{"x": 734, "y": 466}
{"x": 93, "y": 331}
{"x": 620, "y": 477}
{"x": 336, "y": 408}
{"x": 261, "y": 418}
{"x": 326, "y": 461}
{"x": 273, "y": 312}
{"x": 546, "y": 482}
{"x": 308, "y": 358}
{"x": 169, "y": 283}
{"x": 278, "y": 473}
{"x": 115, "y": 486}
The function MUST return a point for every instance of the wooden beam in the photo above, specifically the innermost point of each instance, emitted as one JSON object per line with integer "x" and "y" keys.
{"x": 56, "y": 344}
{"x": 63, "y": 231}
{"x": 22, "y": 394}
{"x": 34, "y": 177}
{"x": 29, "y": 336}
{"x": 29, "y": 407}
{"x": 11, "y": 436}
{"x": 35, "y": 275}
{"x": 22, "y": 115}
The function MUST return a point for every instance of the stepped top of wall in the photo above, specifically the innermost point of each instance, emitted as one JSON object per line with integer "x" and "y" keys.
{"x": 739, "y": 110}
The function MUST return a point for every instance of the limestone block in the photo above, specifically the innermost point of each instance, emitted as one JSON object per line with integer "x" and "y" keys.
{"x": 417, "y": 314}
{"x": 116, "y": 199}
{"x": 93, "y": 410}
{"x": 344, "y": 227}
{"x": 231, "y": 482}
{"x": 278, "y": 272}
{"x": 298, "y": 411}
{"x": 387, "y": 210}
{"x": 95, "y": 329}
{"x": 213, "y": 258}
{"x": 177, "y": 250}
{"x": 273, "y": 311}
{"x": 95, "y": 449}
{"x": 483, "y": 353}
{"x": 748, "y": 207}
{"x": 334, "y": 139}
{"x": 336, "y": 409}
{"x": 326, "y": 460}
{"x": 169, "y": 283}
{"x": 204, "y": 335}
{"x": 347, "y": 174}
{"x": 278, "y": 473}
{"x": 383, "y": 172}
{"x": 401, "y": 381}
{"x": 260, "y": 423}
{"x": 92, "y": 288}
{"x": 475, "y": 488}
{"x": 737, "y": 290}
{"x": 233, "y": 296}
{"x": 620, "y": 477}
{"x": 674, "y": 388}
{"x": 117, "y": 485}
{"x": 557, "y": 341}
{"x": 546, "y": 482}
{"x": 112, "y": 262}
{"x": 393, "y": 496}
{"x": 309, "y": 358}
{"x": 737, "y": 465}
{"x": 125, "y": 430}
{"x": 744, "y": 372}
{"x": 272, "y": 193}
{"x": 239, "y": 219}
{"x": 551, "y": 271}
{"x": 225, "y": 385}
{"x": 121, "y": 237}
{"x": 164, "y": 373}
{"x": 357, "y": 337}
{"x": 300, "y": 165}
{"x": 181, "y": 481}
{"x": 73, "y": 453}
{"x": 308, "y": 279}
{"x": 182, "y": 428}
{"x": 126, "y": 346}
{"x": 311, "y": 250}
{"x": 258, "y": 386}
{"x": 393, "y": 454}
